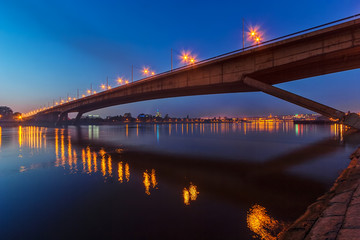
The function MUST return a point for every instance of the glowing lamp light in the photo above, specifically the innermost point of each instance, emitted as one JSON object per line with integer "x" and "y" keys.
{"x": 102, "y": 86}
{"x": 88, "y": 91}
{"x": 119, "y": 80}
{"x": 145, "y": 71}
{"x": 153, "y": 73}
{"x": 126, "y": 82}
{"x": 185, "y": 56}
{"x": 255, "y": 35}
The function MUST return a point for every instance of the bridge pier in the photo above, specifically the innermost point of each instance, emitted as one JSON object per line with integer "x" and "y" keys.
{"x": 63, "y": 118}
{"x": 350, "y": 119}
{"x": 78, "y": 117}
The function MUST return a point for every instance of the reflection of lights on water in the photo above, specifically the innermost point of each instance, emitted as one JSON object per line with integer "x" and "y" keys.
{"x": 146, "y": 182}
{"x": 57, "y": 147}
{"x": 120, "y": 172}
{"x": 338, "y": 131}
{"x": 93, "y": 132}
{"x": 83, "y": 156}
{"x": 127, "y": 172}
{"x": 186, "y": 196}
{"x": 190, "y": 194}
{"x": 95, "y": 161}
{"x": 149, "y": 181}
{"x": 62, "y": 147}
{"x": 20, "y": 136}
{"x": 157, "y": 133}
{"x": 88, "y": 154}
{"x": 153, "y": 178}
{"x": 264, "y": 226}
{"x": 31, "y": 137}
{"x": 109, "y": 166}
{"x": 103, "y": 166}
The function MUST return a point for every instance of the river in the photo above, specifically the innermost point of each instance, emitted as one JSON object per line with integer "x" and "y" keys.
{"x": 165, "y": 181}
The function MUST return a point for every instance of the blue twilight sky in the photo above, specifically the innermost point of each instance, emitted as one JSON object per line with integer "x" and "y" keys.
{"x": 49, "y": 49}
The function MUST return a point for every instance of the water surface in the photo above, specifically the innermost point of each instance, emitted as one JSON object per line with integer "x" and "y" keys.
{"x": 168, "y": 181}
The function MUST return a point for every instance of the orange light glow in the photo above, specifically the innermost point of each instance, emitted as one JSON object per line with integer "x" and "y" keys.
{"x": 262, "y": 224}
{"x": 190, "y": 194}
{"x": 126, "y": 82}
{"x": 153, "y": 178}
{"x": 153, "y": 73}
{"x": 102, "y": 86}
{"x": 120, "y": 172}
{"x": 145, "y": 71}
{"x": 185, "y": 55}
{"x": 127, "y": 172}
{"x": 187, "y": 58}
{"x": 119, "y": 80}
{"x": 186, "y": 196}
{"x": 88, "y": 91}
{"x": 146, "y": 182}
{"x": 255, "y": 35}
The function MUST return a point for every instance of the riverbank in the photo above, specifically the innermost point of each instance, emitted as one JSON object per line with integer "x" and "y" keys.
{"x": 336, "y": 214}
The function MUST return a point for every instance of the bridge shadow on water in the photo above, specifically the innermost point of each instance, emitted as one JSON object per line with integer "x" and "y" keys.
{"x": 240, "y": 182}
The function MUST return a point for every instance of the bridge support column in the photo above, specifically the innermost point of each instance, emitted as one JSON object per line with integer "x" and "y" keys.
{"x": 350, "y": 119}
{"x": 63, "y": 118}
{"x": 78, "y": 117}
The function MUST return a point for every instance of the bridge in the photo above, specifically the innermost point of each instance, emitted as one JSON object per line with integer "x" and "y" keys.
{"x": 317, "y": 52}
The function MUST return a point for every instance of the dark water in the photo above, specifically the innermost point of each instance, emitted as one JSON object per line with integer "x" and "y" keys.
{"x": 170, "y": 181}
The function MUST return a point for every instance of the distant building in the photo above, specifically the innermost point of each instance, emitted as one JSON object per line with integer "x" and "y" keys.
{"x": 158, "y": 114}
{"x": 127, "y": 115}
{"x": 93, "y": 116}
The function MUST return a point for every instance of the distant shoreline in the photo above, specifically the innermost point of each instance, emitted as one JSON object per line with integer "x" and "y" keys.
{"x": 189, "y": 121}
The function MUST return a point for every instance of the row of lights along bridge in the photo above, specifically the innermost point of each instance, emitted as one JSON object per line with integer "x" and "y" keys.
{"x": 253, "y": 35}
